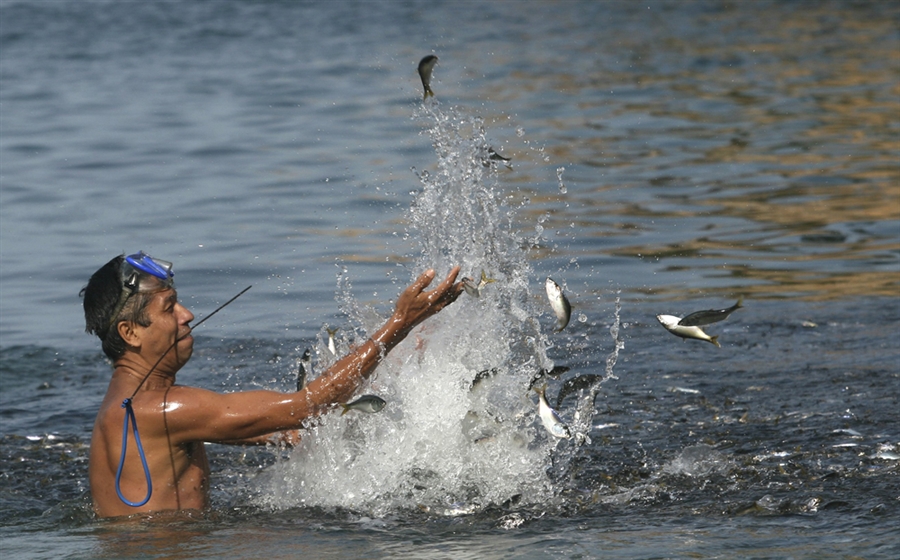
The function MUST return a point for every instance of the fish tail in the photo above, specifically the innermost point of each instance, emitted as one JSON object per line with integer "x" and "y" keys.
{"x": 428, "y": 92}
{"x": 715, "y": 340}
{"x": 740, "y": 302}
{"x": 346, "y": 408}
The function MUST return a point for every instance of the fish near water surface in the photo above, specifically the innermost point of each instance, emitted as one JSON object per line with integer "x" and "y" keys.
{"x": 304, "y": 368}
{"x": 474, "y": 289}
{"x": 559, "y": 303}
{"x": 426, "y": 65}
{"x": 331, "y": 333}
{"x": 671, "y": 323}
{"x": 366, "y": 403}
{"x": 549, "y": 417}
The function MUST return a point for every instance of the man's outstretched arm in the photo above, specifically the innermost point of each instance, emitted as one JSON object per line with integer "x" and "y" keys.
{"x": 200, "y": 415}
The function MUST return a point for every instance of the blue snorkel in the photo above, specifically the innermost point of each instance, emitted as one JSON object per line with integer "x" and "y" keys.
{"x": 132, "y": 268}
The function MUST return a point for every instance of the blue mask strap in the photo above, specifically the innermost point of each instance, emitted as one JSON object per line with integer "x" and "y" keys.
{"x": 129, "y": 412}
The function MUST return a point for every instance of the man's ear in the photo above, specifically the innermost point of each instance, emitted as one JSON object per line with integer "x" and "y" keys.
{"x": 129, "y": 334}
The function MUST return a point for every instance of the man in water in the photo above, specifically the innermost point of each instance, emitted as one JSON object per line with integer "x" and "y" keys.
{"x": 132, "y": 306}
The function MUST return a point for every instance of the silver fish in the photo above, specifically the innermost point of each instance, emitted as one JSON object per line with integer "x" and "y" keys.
{"x": 365, "y": 403}
{"x": 303, "y": 370}
{"x": 671, "y": 323}
{"x": 426, "y": 65}
{"x": 470, "y": 286}
{"x": 474, "y": 289}
{"x": 559, "y": 303}
{"x": 709, "y": 316}
{"x": 550, "y": 418}
{"x": 331, "y": 333}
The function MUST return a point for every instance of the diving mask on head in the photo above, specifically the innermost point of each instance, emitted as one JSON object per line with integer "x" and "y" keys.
{"x": 140, "y": 273}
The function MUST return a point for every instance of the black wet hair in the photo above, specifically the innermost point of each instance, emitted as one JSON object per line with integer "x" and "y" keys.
{"x": 101, "y": 295}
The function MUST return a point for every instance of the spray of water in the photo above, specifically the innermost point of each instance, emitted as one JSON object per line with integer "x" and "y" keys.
{"x": 460, "y": 430}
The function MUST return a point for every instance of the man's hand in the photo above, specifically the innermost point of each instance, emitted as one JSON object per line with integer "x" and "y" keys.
{"x": 415, "y": 304}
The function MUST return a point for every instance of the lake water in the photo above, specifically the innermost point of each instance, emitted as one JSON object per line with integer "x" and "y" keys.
{"x": 666, "y": 157}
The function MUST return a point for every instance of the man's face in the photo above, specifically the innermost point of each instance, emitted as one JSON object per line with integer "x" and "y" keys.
{"x": 169, "y": 321}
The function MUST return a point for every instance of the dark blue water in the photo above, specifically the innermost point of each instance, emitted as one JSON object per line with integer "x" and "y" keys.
{"x": 666, "y": 157}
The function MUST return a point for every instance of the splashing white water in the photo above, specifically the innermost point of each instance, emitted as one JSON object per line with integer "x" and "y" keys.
{"x": 444, "y": 441}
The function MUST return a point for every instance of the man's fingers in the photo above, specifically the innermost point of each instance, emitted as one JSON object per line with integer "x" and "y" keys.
{"x": 424, "y": 280}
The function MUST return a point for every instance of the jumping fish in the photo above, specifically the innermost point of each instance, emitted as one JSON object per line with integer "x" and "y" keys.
{"x": 365, "y": 403}
{"x": 559, "y": 303}
{"x": 426, "y": 65}
{"x": 303, "y": 370}
{"x": 331, "y": 333}
{"x": 494, "y": 157}
{"x": 549, "y": 417}
{"x": 470, "y": 286}
{"x": 473, "y": 289}
{"x": 671, "y": 323}
{"x": 709, "y": 316}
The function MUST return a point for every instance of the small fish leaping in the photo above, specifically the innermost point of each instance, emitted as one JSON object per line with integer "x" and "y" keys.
{"x": 549, "y": 417}
{"x": 365, "y": 403}
{"x": 474, "y": 289}
{"x": 670, "y": 322}
{"x": 331, "y": 333}
{"x": 689, "y": 326}
{"x": 303, "y": 370}
{"x": 426, "y": 65}
{"x": 559, "y": 302}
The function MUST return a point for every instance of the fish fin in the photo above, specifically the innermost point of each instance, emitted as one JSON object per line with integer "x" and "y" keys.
{"x": 346, "y": 408}
{"x": 740, "y": 302}
{"x": 485, "y": 279}
{"x": 428, "y": 93}
{"x": 715, "y": 340}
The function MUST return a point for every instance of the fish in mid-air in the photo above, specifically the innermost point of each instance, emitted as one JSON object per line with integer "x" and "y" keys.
{"x": 331, "y": 333}
{"x": 709, "y": 316}
{"x": 470, "y": 286}
{"x": 365, "y": 403}
{"x": 559, "y": 303}
{"x": 671, "y": 323}
{"x": 426, "y": 65}
{"x": 494, "y": 157}
{"x": 474, "y": 289}
{"x": 303, "y": 370}
{"x": 549, "y": 417}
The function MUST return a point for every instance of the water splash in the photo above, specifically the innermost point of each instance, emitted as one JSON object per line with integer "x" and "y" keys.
{"x": 459, "y": 431}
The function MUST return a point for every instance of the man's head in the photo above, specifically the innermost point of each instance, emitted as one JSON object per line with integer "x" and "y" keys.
{"x": 120, "y": 291}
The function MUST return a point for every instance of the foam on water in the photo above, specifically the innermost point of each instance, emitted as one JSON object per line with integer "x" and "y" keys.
{"x": 443, "y": 442}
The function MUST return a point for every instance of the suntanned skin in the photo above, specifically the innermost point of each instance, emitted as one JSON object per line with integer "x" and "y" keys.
{"x": 174, "y": 421}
